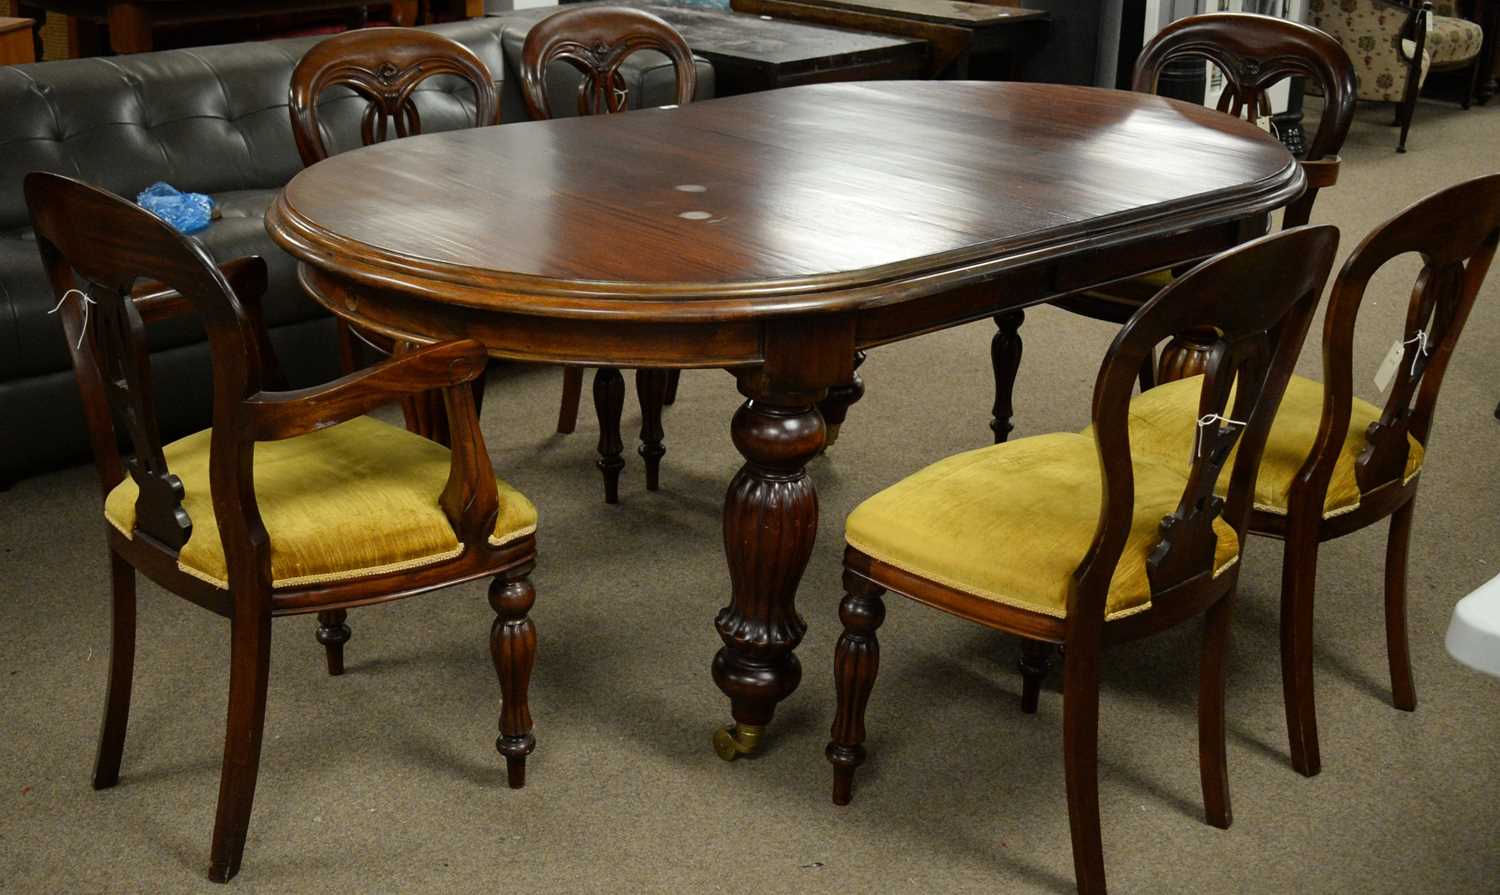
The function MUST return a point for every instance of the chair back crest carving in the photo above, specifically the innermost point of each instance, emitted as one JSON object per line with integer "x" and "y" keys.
{"x": 1455, "y": 232}
{"x": 1258, "y": 337}
{"x": 384, "y": 66}
{"x": 96, "y": 248}
{"x": 1254, "y": 52}
{"x": 596, "y": 41}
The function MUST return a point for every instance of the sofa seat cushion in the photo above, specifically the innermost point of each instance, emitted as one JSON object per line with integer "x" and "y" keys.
{"x": 354, "y": 500}
{"x": 1453, "y": 41}
{"x": 1011, "y": 522}
{"x": 1162, "y": 426}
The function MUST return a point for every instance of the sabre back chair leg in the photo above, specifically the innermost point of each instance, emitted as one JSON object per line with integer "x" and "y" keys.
{"x": 567, "y": 414}
{"x": 1398, "y": 653}
{"x": 1298, "y": 579}
{"x": 1213, "y": 675}
{"x": 121, "y": 672}
{"x": 249, "y": 668}
{"x": 1081, "y": 766}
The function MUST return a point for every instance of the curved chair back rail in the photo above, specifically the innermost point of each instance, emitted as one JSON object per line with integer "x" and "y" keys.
{"x": 384, "y": 66}
{"x": 595, "y": 41}
{"x": 1258, "y": 336}
{"x": 1255, "y": 52}
{"x": 1455, "y": 232}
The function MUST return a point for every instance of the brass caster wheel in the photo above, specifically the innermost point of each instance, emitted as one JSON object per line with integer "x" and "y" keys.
{"x": 734, "y": 740}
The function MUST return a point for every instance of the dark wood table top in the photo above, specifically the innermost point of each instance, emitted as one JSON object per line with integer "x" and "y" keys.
{"x": 754, "y": 38}
{"x": 945, "y": 12}
{"x": 825, "y": 196}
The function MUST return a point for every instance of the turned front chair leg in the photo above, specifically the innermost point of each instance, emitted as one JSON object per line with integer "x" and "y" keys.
{"x": 249, "y": 669}
{"x": 1005, "y": 360}
{"x": 835, "y": 405}
{"x": 856, "y": 661}
{"x": 1398, "y": 652}
{"x": 513, "y": 648}
{"x": 1036, "y": 659}
{"x": 121, "y": 672}
{"x": 651, "y": 392}
{"x": 609, "y": 403}
{"x": 1213, "y": 677}
{"x": 333, "y": 634}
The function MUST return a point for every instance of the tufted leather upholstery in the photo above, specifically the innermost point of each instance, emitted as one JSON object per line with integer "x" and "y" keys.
{"x": 209, "y": 119}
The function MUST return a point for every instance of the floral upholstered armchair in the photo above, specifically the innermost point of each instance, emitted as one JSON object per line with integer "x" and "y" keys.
{"x": 1394, "y": 44}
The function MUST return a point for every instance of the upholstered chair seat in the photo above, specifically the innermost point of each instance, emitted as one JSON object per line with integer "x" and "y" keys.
{"x": 1009, "y": 522}
{"x": 351, "y": 501}
{"x": 1157, "y": 431}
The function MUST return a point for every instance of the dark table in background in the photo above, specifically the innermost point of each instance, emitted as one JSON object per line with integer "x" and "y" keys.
{"x": 968, "y": 39}
{"x": 751, "y": 53}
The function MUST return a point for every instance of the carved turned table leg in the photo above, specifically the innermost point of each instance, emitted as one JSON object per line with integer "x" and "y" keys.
{"x": 770, "y": 520}
{"x": 1005, "y": 359}
{"x": 651, "y": 392}
{"x": 1185, "y": 356}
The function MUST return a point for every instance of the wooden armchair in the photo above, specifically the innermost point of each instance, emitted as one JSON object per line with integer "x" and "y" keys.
{"x": 1086, "y": 542}
{"x": 1254, "y": 53}
{"x": 293, "y": 502}
{"x": 1336, "y": 464}
{"x": 1395, "y": 43}
{"x": 595, "y": 41}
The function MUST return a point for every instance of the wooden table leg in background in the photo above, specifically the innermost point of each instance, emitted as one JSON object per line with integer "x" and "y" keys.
{"x": 770, "y": 522}
{"x": 129, "y": 28}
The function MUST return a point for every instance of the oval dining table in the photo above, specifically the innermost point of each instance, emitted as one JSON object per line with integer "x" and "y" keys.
{"x": 773, "y": 235}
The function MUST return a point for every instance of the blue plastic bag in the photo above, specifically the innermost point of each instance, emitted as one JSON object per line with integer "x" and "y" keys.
{"x": 188, "y": 213}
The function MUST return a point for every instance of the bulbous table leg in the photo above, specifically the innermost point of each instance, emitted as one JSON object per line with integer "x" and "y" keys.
{"x": 770, "y": 520}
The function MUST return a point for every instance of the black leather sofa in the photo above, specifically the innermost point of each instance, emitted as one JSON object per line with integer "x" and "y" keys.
{"x": 211, "y": 120}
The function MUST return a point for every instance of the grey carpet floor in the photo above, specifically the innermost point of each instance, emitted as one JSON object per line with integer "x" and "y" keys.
{"x": 386, "y": 779}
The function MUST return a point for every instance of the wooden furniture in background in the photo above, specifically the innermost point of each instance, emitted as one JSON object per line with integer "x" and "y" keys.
{"x": 16, "y": 41}
{"x": 936, "y": 536}
{"x": 962, "y": 34}
{"x": 752, "y": 53}
{"x": 1337, "y": 464}
{"x": 1254, "y": 53}
{"x": 822, "y": 227}
{"x": 191, "y": 515}
{"x": 595, "y": 41}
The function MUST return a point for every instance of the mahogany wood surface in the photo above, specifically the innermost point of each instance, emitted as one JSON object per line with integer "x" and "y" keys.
{"x": 116, "y": 269}
{"x": 814, "y": 226}
{"x": 15, "y": 41}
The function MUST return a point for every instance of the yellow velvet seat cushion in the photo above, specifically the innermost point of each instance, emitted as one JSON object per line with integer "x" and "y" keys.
{"x": 1163, "y": 425}
{"x": 350, "y": 501}
{"x": 1011, "y": 523}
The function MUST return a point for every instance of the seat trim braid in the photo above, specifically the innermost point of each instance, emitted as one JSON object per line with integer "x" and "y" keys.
{"x": 1344, "y": 510}
{"x": 1011, "y": 601}
{"x": 404, "y": 565}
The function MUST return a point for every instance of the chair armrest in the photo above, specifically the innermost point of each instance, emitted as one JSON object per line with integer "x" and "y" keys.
{"x": 275, "y": 415}
{"x": 1323, "y": 172}
{"x": 156, "y": 301}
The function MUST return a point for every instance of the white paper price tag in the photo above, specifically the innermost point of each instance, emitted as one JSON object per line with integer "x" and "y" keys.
{"x": 1390, "y": 365}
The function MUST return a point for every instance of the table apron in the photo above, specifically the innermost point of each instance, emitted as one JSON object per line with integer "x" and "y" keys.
{"x": 583, "y": 341}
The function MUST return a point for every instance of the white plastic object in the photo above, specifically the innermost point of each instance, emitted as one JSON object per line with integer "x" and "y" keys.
{"x": 1474, "y": 634}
